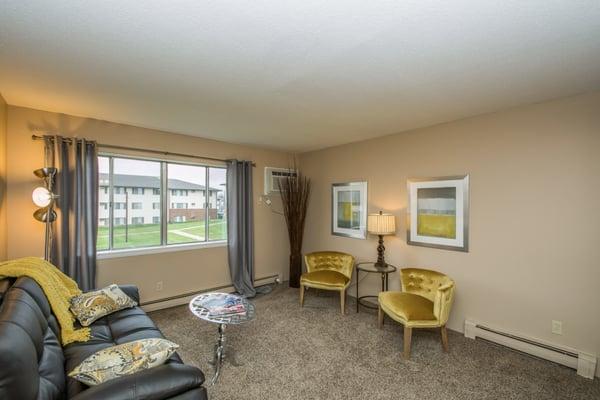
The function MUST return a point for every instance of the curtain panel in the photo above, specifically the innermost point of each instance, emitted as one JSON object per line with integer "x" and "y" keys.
{"x": 240, "y": 226}
{"x": 76, "y": 226}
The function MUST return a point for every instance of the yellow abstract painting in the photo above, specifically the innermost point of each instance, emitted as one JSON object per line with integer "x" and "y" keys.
{"x": 437, "y": 225}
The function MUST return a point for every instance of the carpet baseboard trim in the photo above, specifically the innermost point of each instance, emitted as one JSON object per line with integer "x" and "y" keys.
{"x": 184, "y": 298}
{"x": 583, "y": 362}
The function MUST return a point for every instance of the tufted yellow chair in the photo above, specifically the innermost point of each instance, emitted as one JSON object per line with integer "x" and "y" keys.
{"x": 424, "y": 302}
{"x": 328, "y": 270}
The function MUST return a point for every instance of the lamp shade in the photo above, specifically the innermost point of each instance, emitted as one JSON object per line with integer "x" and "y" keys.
{"x": 41, "y": 196}
{"x": 45, "y": 215}
{"x": 381, "y": 224}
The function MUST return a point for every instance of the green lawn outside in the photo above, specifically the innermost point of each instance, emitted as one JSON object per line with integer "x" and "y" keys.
{"x": 149, "y": 234}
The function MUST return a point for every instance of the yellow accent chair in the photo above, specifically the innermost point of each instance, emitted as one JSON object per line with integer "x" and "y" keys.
{"x": 328, "y": 270}
{"x": 424, "y": 302}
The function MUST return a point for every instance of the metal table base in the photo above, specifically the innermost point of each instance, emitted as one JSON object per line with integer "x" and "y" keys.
{"x": 384, "y": 272}
{"x": 222, "y": 353}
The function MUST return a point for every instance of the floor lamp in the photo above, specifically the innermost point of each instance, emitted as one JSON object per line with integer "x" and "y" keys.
{"x": 43, "y": 197}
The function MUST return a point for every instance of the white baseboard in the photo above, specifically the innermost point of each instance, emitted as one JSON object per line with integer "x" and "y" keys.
{"x": 185, "y": 298}
{"x": 583, "y": 362}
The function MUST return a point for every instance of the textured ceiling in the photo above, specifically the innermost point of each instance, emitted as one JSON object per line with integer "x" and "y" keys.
{"x": 294, "y": 75}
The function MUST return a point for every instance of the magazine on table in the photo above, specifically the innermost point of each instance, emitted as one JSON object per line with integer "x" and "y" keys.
{"x": 225, "y": 304}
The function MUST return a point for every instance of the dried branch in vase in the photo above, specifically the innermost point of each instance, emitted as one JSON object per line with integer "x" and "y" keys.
{"x": 295, "y": 194}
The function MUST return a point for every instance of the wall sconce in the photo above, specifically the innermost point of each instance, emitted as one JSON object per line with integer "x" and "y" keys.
{"x": 43, "y": 197}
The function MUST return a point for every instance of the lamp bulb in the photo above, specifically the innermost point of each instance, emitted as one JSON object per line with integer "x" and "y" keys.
{"x": 41, "y": 197}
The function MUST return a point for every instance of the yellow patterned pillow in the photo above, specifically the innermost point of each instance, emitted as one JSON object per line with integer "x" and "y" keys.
{"x": 90, "y": 306}
{"x": 123, "y": 359}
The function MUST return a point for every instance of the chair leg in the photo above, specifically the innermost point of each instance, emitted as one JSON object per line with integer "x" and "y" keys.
{"x": 407, "y": 338}
{"x": 444, "y": 338}
{"x": 343, "y": 301}
{"x": 301, "y": 295}
{"x": 380, "y": 317}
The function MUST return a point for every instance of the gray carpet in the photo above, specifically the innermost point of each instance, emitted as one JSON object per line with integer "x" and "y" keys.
{"x": 316, "y": 353}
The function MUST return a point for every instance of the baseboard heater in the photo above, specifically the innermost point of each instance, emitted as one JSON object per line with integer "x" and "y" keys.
{"x": 184, "y": 298}
{"x": 584, "y": 363}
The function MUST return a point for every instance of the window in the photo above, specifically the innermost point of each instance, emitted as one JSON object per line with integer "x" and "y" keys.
{"x": 193, "y": 214}
{"x": 180, "y": 192}
{"x": 216, "y": 207}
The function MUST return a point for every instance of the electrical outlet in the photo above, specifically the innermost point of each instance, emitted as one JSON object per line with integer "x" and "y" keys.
{"x": 159, "y": 286}
{"x": 557, "y": 327}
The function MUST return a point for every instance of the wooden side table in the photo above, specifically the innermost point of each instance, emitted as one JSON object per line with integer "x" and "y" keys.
{"x": 372, "y": 268}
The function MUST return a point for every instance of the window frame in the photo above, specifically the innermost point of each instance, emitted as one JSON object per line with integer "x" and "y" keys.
{"x": 164, "y": 246}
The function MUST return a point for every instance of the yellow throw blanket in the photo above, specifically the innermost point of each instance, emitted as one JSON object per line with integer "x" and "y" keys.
{"x": 58, "y": 288}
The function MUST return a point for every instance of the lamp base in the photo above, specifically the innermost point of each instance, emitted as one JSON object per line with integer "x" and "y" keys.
{"x": 380, "y": 254}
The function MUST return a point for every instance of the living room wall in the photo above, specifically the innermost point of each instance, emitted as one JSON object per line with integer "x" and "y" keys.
{"x": 3, "y": 115}
{"x": 534, "y": 225}
{"x": 182, "y": 271}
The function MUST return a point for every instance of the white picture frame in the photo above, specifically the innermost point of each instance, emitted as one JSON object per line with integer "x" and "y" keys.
{"x": 438, "y": 212}
{"x": 349, "y": 209}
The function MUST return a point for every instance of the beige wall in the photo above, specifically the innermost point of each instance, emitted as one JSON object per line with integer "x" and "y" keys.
{"x": 3, "y": 114}
{"x": 181, "y": 272}
{"x": 535, "y": 228}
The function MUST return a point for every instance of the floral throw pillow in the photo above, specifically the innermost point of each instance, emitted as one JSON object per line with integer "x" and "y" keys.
{"x": 123, "y": 359}
{"x": 88, "y": 307}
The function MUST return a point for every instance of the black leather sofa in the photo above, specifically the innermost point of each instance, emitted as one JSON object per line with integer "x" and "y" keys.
{"x": 34, "y": 365}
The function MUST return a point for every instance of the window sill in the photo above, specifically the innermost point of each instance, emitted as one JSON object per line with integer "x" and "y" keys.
{"x": 143, "y": 251}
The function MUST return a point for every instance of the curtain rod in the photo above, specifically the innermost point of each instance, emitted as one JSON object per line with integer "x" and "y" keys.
{"x": 164, "y": 153}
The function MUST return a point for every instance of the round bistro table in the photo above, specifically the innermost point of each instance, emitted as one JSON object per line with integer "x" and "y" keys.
{"x": 221, "y": 352}
{"x": 372, "y": 268}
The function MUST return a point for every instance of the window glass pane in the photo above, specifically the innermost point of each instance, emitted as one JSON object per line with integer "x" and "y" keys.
{"x": 103, "y": 200}
{"x": 217, "y": 222}
{"x": 136, "y": 222}
{"x": 186, "y": 213}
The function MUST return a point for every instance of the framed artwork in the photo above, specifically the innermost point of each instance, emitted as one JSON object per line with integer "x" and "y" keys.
{"x": 349, "y": 209}
{"x": 438, "y": 212}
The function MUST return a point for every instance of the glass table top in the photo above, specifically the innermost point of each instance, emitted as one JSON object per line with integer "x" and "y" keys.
{"x": 373, "y": 267}
{"x": 221, "y": 308}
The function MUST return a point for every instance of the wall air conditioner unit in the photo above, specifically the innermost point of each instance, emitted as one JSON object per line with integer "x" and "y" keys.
{"x": 275, "y": 175}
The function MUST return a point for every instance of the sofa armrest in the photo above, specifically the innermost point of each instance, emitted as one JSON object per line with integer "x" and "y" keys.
{"x": 131, "y": 291}
{"x": 158, "y": 383}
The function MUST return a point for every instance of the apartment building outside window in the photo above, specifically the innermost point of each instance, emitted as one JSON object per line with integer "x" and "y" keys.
{"x": 193, "y": 196}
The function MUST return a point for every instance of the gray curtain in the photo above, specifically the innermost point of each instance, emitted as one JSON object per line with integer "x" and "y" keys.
{"x": 76, "y": 227}
{"x": 240, "y": 226}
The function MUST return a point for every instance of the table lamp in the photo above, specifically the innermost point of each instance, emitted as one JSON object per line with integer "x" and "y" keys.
{"x": 381, "y": 224}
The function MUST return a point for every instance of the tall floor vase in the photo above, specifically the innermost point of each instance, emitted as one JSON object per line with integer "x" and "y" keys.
{"x": 295, "y": 193}
{"x": 295, "y": 269}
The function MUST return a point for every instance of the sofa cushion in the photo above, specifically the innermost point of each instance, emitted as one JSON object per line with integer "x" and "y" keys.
{"x": 121, "y": 327}
{"x": 407, "y": 306}
{"x": 123, "y": 359}
{"x": 90, "y": 306}
{"x": 325, "y": 278}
